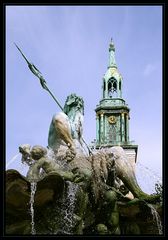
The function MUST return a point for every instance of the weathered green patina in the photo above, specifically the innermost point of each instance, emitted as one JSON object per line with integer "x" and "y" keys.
{"x": 77, "y": 193}
{"x": 112, "y": 112}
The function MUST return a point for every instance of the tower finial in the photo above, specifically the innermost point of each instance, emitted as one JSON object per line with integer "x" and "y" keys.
{"x": 111, "y": 46}
{"x": 111, "y": 42}
{"x": 112, "y": 62}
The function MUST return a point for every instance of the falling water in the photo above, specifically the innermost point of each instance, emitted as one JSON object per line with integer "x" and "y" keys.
{"x": 68, "y": 207}
{"x": 66, "y": 203}
{"x": 33, "y": 191}
{"x": 12, "y": 160}
{"x": 50, "y": 153}
{"x": 63, "y": 164}
{"x": 145, "y": 175}
{"x": 149, "y": 171}
{"x": 21, "y": 167}
{"x": 157, "y": 218}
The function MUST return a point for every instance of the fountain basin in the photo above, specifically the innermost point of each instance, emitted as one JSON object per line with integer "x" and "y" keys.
{"x": 18, "y": 193}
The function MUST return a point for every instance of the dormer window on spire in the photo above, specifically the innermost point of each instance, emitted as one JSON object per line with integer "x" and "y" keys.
{"x": 112, "y": 87}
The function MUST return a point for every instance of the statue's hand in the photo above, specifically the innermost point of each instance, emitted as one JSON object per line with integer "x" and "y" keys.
{"x": 33, "y": 179}
{"x": 70, "y": 154}
{"x": 78, "y": 178}
{"x": 69, "y": 176}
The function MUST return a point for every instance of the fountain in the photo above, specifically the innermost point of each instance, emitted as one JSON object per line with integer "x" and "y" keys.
{"x": 156, "y": 218}
{"x": 67, "y": 208}
{"x": 79, "y": 197}
{"x": 70, "y": 190}
{"x": 33, "y": 191}
{"x": 147, "y": 177}
{"x": 12, "y": 160}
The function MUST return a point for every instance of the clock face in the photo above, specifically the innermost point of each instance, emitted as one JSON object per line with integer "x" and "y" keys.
{"x": 112, "y": 119}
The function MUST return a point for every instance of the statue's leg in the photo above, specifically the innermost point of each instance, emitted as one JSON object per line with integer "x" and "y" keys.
{"x": 63, "y": 129}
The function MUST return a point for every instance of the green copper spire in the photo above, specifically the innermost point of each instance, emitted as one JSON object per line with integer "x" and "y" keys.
{"x": 112, "y": 79}
{"x": 112, "y": 61}
{"x": 112, "y": 112}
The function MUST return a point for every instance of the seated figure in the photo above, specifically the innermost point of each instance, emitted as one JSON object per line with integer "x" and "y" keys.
{"x": 40, "y": 161}
{"x": 67, "y": 127}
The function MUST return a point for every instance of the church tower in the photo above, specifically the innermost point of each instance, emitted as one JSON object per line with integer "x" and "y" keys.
{"x": 112, "y": 112}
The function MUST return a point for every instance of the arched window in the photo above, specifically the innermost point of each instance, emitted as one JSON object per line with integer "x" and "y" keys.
{"x": 112, "y": 87}
{"x": 120, "y": 85}
{"x": 109, "y": 85}
{"x": 104, "y": 88}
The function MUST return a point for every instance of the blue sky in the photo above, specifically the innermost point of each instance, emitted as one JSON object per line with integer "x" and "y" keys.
{"x": 69, "y": 45}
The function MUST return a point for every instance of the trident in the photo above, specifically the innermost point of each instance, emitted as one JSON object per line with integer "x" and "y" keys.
{"x": 43, "y": 83}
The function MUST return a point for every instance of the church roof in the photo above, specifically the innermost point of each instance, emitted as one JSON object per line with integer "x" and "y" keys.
{"x": 112, "y": 72}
